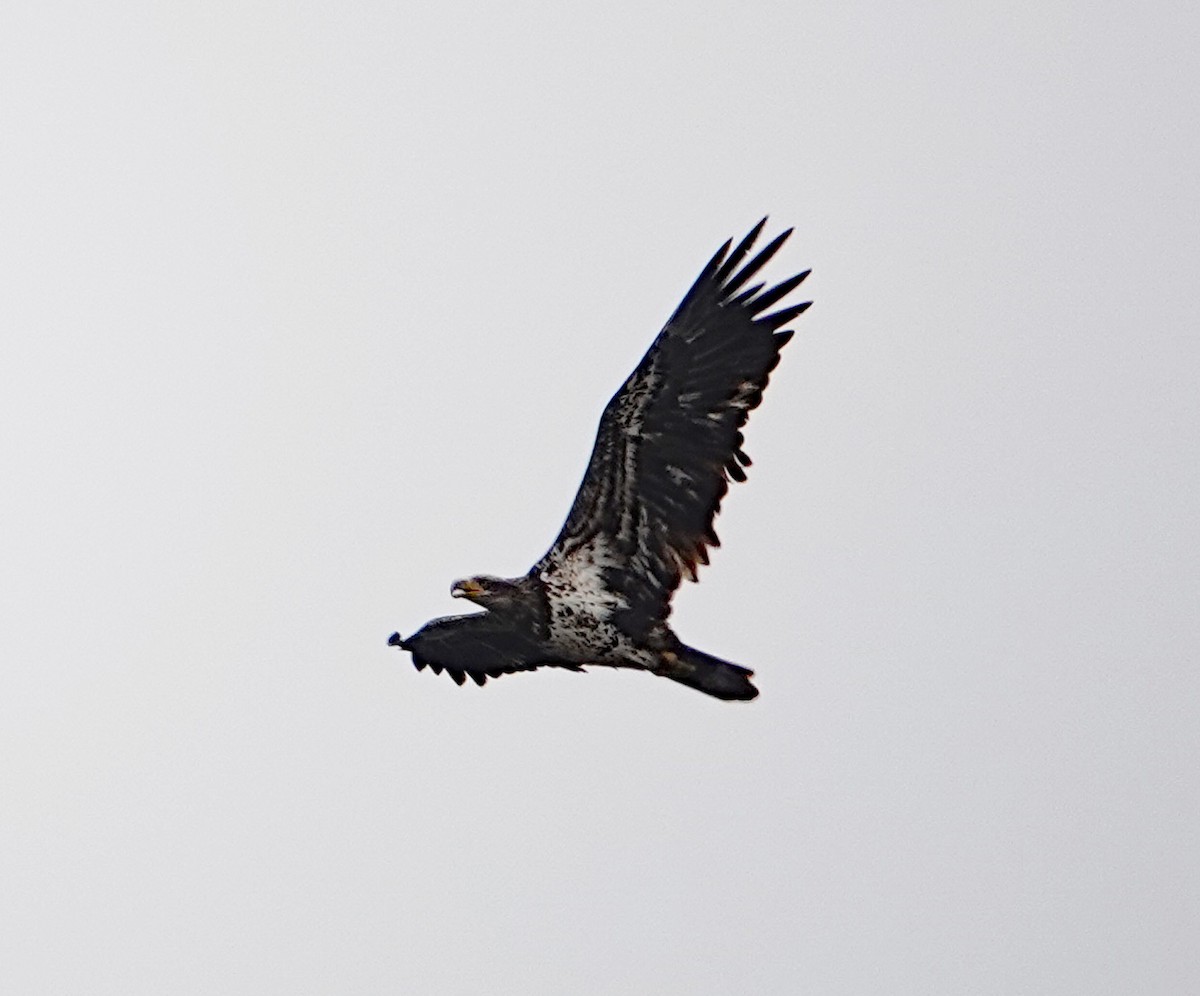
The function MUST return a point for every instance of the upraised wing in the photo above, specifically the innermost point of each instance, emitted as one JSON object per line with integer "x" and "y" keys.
{"x": 670, "y": 439}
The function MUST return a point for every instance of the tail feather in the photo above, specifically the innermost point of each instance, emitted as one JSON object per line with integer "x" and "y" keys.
{"x": 709, "y": 674}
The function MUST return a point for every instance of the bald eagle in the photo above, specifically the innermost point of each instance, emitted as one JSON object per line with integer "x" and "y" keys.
{"x": 669, "y": 442}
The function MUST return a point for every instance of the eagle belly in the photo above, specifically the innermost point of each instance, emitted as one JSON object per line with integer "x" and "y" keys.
{"x": 583, "y": 608}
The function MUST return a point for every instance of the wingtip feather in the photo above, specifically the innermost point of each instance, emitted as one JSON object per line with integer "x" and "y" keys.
{"x": 740, "y": 252}
{"x": 757, "y": 263}
{"x": 779, "y": 318}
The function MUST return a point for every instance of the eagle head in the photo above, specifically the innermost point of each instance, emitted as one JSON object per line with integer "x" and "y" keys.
{"x": 485, "y": 590}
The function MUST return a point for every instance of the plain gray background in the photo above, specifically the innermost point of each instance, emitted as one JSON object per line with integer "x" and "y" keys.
{"x": 309, "y": 309}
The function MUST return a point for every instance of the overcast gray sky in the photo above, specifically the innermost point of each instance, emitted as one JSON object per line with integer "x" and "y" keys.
{"x": 309, "y": 309}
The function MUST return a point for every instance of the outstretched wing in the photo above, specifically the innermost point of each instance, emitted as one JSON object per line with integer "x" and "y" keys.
{"x": 476, "y": 646}
{"x": 670, "y": 439}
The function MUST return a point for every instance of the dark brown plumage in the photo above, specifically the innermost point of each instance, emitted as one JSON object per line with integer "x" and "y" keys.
{"x": 669, "y": 442}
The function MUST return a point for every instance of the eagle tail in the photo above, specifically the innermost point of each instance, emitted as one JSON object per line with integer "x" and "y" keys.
{"x": 708, "y": 674}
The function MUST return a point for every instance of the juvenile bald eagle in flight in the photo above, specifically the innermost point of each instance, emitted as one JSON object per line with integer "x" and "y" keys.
{"x": 669, "y": 442}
